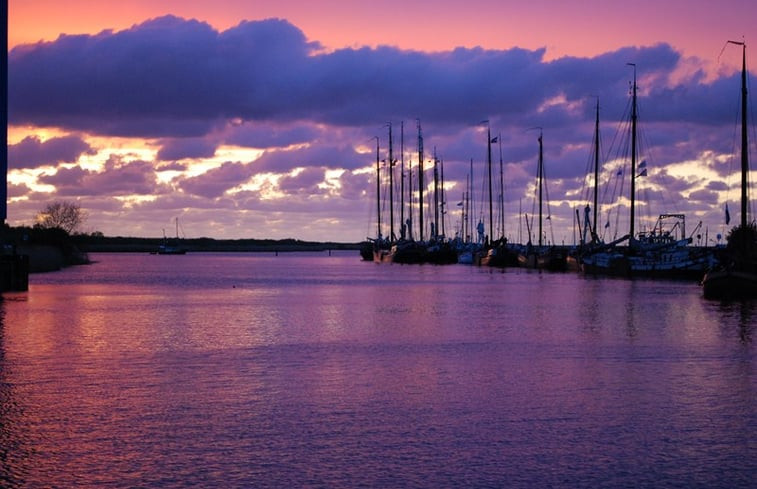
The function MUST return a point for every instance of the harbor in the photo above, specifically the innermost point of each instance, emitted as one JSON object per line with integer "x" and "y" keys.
{"x": 304, "y": 369}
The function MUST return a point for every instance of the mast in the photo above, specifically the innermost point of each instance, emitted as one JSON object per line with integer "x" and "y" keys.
{"x": 489, "y": 160}
{"x": 420, "y": 178}
{"x": 744, "y": 138}
{"x": 444, "y": 199}
{"x": 391, "y": 186}
{"x": 466, "y": 209}
{"x": 436, "y": 196}
{"x": 539, "y": 177}
{"x": 378, "y": 192}
{"x": 471, "y": 203}
{"x": 501, "y": 190}
{"x": 744, "y": 141}
{"x": 402, "y": 177}
{"x": 634, "y": 116}
{"x": 596, "y": 173}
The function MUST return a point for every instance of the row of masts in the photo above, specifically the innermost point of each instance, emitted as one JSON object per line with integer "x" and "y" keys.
{"x": 439, "y": 199}
{"x": 438, "y": 225}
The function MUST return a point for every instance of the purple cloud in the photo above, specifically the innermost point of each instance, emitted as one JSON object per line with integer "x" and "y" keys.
{"x": 118, "y": 178}
{"x": 32, "y": 152}
{"x": 214, "y": 183}
{"x": 179, "y": 149}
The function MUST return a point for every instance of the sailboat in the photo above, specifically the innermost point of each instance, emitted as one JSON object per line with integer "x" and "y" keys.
{"x": 541, "y": 256}
{"x": 589, "y": 227}
{"x": 736, "y": 275}
{"x": 406, "y": 250}
{"x": 494, "y": 252}
{"x": 662, "y": 252}
{"x": 169, "y": 248}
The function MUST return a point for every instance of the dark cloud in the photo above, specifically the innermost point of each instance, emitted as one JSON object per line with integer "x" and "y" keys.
{"x": 32, "y": 152}
{"x": 214, "y": 183}
{"x": 191, "y": 89}
{"x": 344, "y": 157}
{"x": 179, "y": 149}
{"x": 117, "y": 179}
{"x": 181, "y": 77}
{"x": 256, "y": 135}
{"x": 705, "y": 196}
{"x": 17, "y": 190}
{"x": 305, "y": 182}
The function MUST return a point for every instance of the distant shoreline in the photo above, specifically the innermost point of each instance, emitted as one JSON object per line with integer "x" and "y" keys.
{"x": 96, "y": 244}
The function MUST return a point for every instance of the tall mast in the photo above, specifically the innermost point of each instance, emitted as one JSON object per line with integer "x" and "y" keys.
{"x": 634, "y": 116}
{"x": 539, "y": 177}
{"x": 466, "y": 202}
{"x": 744, "y": 139}
{"x": 444, "y": 200}
{"x": 596, "y": 173}
{"x": 402, "y": 176}
{"x": 471, "y": 204}
{"x": 436, "y": 195}
{"x": 391, "y": 186}
{"x": 420, "y": 178}
{"x": 501, "y": 190}
{"x": 378, "y": 192}
{"x": 489, "y": 160}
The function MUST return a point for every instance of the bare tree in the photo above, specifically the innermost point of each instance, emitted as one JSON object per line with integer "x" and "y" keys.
{"x": 64, "y": 215}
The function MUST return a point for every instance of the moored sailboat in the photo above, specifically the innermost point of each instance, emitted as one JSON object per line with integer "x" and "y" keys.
{"x": 543, "y": 256}
{"x": 736, "y": 275}
{"x": 657, "y": 253}
{"x": 171, "y": 248}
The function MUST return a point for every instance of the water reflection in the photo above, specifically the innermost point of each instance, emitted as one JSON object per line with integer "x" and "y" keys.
{"x": 327, "y": 372}
{"x": 738, "y": 317}
{"x": 11, "y": 450}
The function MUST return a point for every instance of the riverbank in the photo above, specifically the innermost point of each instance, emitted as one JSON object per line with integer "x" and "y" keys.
{"x": 98, "y": 244}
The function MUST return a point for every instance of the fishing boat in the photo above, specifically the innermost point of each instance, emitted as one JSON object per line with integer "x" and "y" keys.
{"x": 657, "y": 253}
{"x": 735, "y": 277}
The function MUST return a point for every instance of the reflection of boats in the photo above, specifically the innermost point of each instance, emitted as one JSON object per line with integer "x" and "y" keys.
{"x": 171, "y": 248}
{"x": 736, "y": 275}
{"x": 658, "y": 253}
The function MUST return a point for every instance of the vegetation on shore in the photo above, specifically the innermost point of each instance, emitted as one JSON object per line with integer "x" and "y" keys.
{"x": 98, "y": 243}
{"x": 54, "y": 242}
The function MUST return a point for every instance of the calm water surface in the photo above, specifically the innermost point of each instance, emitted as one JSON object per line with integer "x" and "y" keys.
{"x": 254, "y": 370}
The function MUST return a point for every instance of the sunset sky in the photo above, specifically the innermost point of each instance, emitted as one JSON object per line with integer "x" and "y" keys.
{"x": 257, "y": 119}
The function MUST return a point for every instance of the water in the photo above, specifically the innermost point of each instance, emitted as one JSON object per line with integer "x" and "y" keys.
{"x": 254, "y": 370}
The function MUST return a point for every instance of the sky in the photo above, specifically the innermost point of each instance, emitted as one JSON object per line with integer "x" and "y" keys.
{"x": 259, "y": 119}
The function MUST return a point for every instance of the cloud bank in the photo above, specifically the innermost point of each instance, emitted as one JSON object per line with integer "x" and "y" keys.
{"x": 260, "y": 117}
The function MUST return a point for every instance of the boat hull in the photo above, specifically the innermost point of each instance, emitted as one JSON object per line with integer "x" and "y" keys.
{"x": 730, "y": 284}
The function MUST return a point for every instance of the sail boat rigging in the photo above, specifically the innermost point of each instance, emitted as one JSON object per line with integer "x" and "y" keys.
{"x": 653, "y": 253}
{"x": 736, "y": 275}
{"x": 541, "y": 256}
{"x": 168, "y": 248}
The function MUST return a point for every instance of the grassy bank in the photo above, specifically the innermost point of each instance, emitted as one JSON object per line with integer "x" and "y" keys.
{"x": 92, "y": 244}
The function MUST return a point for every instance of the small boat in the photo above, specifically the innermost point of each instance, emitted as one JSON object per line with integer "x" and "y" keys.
{"x": 735, "y": 277}
{"x": 169, "y": 248}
